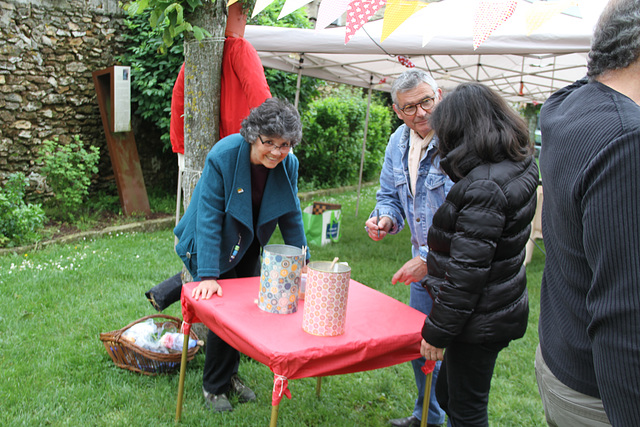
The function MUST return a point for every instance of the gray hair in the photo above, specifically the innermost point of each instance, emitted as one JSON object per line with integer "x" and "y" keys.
{"x": 275, "y": 118}
{"x": 411, "y": 79}
{"x": 616, "y": 40}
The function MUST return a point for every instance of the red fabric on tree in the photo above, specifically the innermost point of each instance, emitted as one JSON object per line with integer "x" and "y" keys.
{"x": 243, "y": 86}
{"x": 176, "y": 125}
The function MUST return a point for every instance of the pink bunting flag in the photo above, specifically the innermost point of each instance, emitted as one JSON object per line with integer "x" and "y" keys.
{"x": 329, "y": 11}
{"x": 358, "y": 14}
{"x": 489, "y": 15}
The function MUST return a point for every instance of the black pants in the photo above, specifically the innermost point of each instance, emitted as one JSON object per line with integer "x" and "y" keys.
{"x": 464, "y": 381}
{"x": 166, "y": 293}
{"x": 221, "y": 360}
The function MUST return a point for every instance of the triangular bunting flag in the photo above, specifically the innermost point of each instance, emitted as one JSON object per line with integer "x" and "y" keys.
{"x": 329, "y": 11}
{"x": 359, "y": 13}
{"x": 231, "y": 2}
{"x": 396, "y": 12}
{"x": 260, "y": 6}
{"x": 541, "y": 12}
{"x": 291, "y": 6}
{"x": 489, "y": 15}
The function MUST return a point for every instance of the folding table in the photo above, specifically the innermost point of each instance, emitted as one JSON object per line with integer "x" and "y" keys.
{"x": 380, "y": 332}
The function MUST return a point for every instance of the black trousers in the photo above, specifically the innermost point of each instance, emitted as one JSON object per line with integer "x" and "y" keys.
{"x": 166, "y": 293}
{"x": 464, "y": 381}
{"x": 221, "y": 360}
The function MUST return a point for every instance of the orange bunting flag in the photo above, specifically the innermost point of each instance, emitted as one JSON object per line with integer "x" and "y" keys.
{"x": 359, "y": 13}
{"x": 489, "y": 15}
{"x": 541, "y": 12}
{"x": 396, "y": 12}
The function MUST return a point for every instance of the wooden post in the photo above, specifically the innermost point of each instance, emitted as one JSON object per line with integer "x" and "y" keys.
{"x": 183, "y": 370}
{"x": 120, "y": 140}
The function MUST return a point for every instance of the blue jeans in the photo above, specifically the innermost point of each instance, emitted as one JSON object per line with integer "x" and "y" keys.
{"x": 420, "y": 299}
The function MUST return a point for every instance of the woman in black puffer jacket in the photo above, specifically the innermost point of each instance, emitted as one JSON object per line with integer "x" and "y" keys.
{"x": 477, "y": 246}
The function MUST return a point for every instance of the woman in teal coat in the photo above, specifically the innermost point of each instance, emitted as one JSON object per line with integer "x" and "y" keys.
{"x": 248, "y": 186}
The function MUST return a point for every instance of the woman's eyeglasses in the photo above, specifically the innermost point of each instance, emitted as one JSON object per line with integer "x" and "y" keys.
{"x": 283, "y": 148}
{"x": 426, "y": 104}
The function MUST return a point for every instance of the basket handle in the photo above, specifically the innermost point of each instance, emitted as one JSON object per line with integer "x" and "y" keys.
{"x": 151, "y": 316}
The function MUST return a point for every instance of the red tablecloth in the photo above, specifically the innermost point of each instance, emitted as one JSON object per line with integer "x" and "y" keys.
{"x": 380, "y": 332}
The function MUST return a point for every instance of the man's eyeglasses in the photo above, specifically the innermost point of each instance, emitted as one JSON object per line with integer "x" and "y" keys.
{"x": 426, "y": 104}
{"x": 284, "y": 147}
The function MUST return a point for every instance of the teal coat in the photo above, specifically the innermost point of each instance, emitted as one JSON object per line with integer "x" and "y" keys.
{"x": 219, "y": 216}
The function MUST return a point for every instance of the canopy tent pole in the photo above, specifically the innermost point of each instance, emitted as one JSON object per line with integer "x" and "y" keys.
{"x": 295, "y": 104}
{"x": 364, "y": 142}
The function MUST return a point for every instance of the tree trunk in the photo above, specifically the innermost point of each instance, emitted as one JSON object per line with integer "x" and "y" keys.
{"x": 203, "y": 66}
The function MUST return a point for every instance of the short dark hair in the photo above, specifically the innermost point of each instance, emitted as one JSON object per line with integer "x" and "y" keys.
{"x": 616, "y": 39}
{"x": 478, "y": 119}
{"x": 275, "y": 118}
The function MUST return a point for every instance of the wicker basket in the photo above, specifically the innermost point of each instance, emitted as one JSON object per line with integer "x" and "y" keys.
{"x": 127, "y": 355}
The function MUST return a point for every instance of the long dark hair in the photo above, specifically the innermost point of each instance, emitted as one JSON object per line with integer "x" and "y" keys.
{"x": 481, "y": 123}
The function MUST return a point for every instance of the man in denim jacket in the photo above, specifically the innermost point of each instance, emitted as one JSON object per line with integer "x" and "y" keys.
{"x": 412, "y": 188}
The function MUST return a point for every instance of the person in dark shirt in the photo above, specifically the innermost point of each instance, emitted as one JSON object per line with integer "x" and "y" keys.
{"x": 588, "y": 360}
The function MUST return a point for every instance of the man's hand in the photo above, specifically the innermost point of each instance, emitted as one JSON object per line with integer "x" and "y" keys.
{"x": 206, "y": 289}
{"x": 430, "y": 352}
{"x": 412, "y": 271}
{"x": 377, "y": 230}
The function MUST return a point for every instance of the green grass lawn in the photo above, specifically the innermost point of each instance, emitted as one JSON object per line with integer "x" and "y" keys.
{"x": 54, "y": 370}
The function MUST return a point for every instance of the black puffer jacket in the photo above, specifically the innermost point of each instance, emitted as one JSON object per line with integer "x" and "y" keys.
{"x": 477, "y": 248}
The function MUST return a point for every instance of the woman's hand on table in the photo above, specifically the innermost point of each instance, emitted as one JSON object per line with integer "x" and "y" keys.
{"x": 206, "y": 289}
{"x": 430, "y": 352}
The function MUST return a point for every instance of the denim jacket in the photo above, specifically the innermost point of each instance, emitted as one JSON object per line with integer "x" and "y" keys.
{"x": 394, "y": 198}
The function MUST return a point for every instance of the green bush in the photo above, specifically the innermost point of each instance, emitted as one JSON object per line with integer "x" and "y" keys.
{"x": 19, "y": 221}
{"x": 332, "y": 143}
{"x": 68, "y": 169}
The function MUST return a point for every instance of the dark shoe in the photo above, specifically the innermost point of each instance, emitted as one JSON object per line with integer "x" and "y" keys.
{"x": 217, "y": 402}
{"x": 411, "y": 421}
{"x": 244, "y": 393}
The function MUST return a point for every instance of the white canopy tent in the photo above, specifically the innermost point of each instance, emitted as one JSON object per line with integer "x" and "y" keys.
{"x": 522, "y": 67}
{"x": 522, "y": 64}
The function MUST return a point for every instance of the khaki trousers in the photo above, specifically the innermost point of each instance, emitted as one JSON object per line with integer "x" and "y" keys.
{"x": 563, "y": 406}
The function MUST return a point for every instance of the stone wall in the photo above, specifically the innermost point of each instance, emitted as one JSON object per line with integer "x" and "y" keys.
{"x": 48, "y": 50}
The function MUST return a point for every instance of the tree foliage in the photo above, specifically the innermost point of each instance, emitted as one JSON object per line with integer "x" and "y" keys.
{"x": 169, "y": 17}
{"x": 19, "y": 221}
{"x": 68, "y": 169}
{"x": 153, "y": 73}
{"x": 332, "y": 144}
